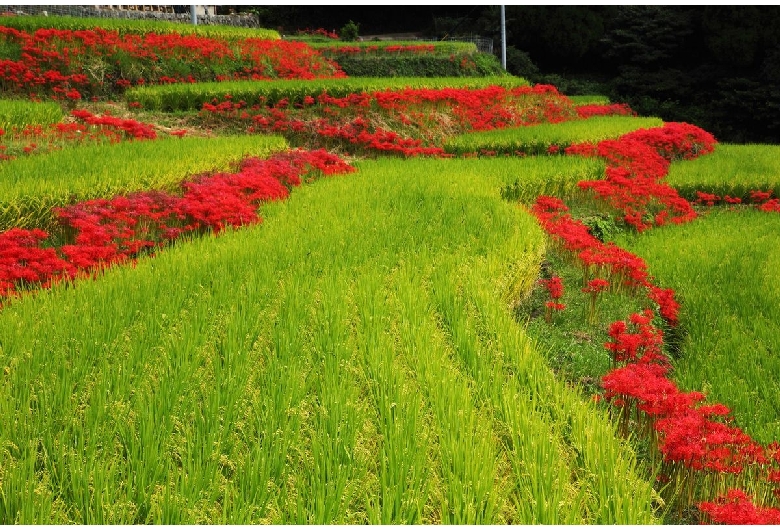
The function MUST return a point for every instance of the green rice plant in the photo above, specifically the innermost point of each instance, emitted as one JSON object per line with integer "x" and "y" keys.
{"x": 512, "y": 178}
{"x": 18, "y": 113}
{"x": 560, "y": 481}
{"x": 402, "y": 475}
{"x": 192, "y": 96}
{"x": 351, "y": 360}
{"x": 723, "y": 269}
{"x": 733, "y": 170}
{"x": 547, "y": 137}
{"x": 468, "y": 457}
{"x": 30, "y": 187}
{"x": 328, "y": 47}
{"x": 392, "y": 59}
{"x": 399, "y": 64}
{"x": 31, "y": 23}
{"x": 589, "y": 100}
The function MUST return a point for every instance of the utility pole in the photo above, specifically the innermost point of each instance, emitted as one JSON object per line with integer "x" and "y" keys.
{"x": 194, "y": 15}
{"x": 503, "y": 38}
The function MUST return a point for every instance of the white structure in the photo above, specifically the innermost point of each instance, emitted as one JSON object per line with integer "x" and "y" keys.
{"x": 201, "y": 11}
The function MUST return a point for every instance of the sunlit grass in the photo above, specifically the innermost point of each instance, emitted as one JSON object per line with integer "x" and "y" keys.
{"x": 30, "y": 23}
{"x": 724, "y": 268}
{"x": 189, "y": 96}
{"x": 18, "y": 113}
{"x": 30, "y": 187}
{"x": 538, "y": 139}
{"x": 733, "y": 170}
{"x": 352, "y": 360}
{"x": 590, "y": 100}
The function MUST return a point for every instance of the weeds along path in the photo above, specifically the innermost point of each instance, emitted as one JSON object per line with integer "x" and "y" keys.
{"x": 351, "y": 360}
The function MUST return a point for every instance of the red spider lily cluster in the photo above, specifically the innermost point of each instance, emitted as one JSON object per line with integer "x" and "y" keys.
{"x": 636, "y": 165}
{"x": 111, "y": 231}
{"x": 319, "y": 32}
{"x": 554, "y": 286}
{"x": 762, "y": 200}
{"x": 614, "y": 109}
{"x": 595, "y": 287}
{"x": 425, "y": 115}
{"x": 604, "y": 259}
{"x": 692, "y": 437}
{"x": 131, "y": 128}
{"x": 85, "y": 128}
{"x": 736, "y": 508}
{"x": 73, "y": 65}
{"x": 636, "y": 341}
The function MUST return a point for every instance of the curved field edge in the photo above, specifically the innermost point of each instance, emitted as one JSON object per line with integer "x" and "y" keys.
{"x": 192, "y": 96}
{"x": 730, "y": 323}
{"x": 733, "y": 170}
{"x": 537, "y": 139}
{"x": 31, "y": 187}
{"x": 351, "y": 360}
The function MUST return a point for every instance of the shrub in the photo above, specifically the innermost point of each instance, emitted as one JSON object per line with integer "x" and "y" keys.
{"x": 349, "y": 32}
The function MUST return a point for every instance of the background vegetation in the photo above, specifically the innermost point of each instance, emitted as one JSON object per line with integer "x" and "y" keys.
{"x": 715, "y": 66}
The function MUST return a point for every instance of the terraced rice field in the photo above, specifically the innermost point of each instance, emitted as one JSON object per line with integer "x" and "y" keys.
{"x": 352, "y": 301}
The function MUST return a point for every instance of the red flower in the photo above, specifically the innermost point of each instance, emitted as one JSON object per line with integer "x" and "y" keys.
{"x": 596, "y": 285}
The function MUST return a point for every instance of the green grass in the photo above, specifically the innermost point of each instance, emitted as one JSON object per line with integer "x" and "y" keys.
{"x": 589, "y": 100}
{"x": 724, "y": 270}
{"x": 733, "y": 170}
{"x": 193, "y": 95}
{"x": 573, "y": 340}
{"x": 518, "y": 179}
{"x": 537, "y": 139}
{"x": 351, "y": 360}
{"x": 31, "y": 23}
{"x": 330, "y": 46}
{"x": 30, "y": 187}
{"x": 18, "y": 113}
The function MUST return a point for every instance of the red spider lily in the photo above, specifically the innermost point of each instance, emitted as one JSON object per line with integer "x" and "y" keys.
{"x": 772, "y": 205}
{"x": 596, "y": 285}
{"x": 636, "y": 163}
{"x": 760, "y": 196}
{"x": 133, "y": 128}
{"x": 736, "y": 508}
{"x": 594, "y": 288}
{"x": 706, "y": 198}
{"x": 690, "y": 434}
{"x": 641, "y": 346}
{"x": 52, "y": 61}
{"x": 614, "y": 109}
{"x": 554, "y": 286}
{"x": 423, "y": 115}
{"x": 88, "y": 128}
{"x": 24, "y": 262}
{"x": 110, "y": 231}
{"x": 675, "y": 141}
{"x": 668, "y": 306}
{"x": 318, "y": 32}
